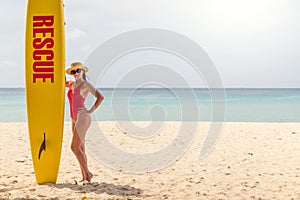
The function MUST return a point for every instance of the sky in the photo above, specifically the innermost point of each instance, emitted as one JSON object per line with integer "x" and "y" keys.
{"x": 252, "y": 43}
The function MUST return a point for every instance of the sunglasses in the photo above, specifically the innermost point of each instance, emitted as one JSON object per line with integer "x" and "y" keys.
{"x": 76, "y": 71}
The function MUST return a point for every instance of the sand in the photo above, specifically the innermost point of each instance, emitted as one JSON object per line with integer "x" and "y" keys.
{"x": 249, "y": 161}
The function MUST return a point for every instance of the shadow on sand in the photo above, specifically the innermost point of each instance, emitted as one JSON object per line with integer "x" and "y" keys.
{"x": 99, "y": 188}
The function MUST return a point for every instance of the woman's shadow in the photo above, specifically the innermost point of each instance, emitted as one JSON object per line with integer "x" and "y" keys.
{"x": 99, "y": 188}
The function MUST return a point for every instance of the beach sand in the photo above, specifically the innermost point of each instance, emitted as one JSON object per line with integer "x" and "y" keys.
{"x": 249, "y": 161}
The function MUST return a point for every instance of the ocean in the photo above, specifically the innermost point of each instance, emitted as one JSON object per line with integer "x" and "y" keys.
{"x": 146, "y": 104}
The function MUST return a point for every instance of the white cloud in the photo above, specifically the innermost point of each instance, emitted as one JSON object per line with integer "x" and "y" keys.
{"x": 75, "y": 34}
{"x": 7, "y": 63}
{"x": 86, "y": 48}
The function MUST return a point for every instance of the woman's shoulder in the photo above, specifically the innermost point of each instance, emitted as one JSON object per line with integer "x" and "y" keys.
{"x": 87, "y": 84}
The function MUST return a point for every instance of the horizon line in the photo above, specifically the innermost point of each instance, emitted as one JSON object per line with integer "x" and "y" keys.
{"x": 177, "y": 88}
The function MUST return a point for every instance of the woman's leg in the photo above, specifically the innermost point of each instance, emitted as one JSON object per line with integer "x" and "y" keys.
{"x": 73, "y": 147}
{"x": 89, "y": 175}
{"x": 81, "y": 126}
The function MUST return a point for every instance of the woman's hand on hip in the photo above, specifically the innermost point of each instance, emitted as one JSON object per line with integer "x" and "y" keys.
{"x": 83, "y": 111}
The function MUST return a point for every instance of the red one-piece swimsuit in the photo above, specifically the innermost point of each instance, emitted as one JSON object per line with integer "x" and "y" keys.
{"x": 75, "y": 99}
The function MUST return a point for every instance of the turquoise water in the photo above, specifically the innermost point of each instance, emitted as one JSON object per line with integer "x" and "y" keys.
{"x": 242, "y": 105}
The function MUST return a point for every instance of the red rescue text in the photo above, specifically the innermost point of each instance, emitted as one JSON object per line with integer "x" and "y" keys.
{"x": 43, "y": 52}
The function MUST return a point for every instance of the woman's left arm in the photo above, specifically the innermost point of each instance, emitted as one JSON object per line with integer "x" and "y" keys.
{"x": 97, "y": 94}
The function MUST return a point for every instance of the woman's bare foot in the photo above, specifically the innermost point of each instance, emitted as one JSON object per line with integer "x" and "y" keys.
{"x": 76, "y": 182}
{"x": 89, "y": 178}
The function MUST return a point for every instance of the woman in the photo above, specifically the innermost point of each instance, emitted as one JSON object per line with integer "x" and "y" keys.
{"x": 81, "y": 119}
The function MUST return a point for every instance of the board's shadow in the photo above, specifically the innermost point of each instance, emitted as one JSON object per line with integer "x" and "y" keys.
{"x": 99, "y": 188}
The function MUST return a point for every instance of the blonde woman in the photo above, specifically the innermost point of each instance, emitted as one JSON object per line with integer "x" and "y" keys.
{"x": 80, "y": 115}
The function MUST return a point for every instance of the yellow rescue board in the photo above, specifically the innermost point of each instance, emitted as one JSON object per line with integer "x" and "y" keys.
{"x": 45, "y": 79}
